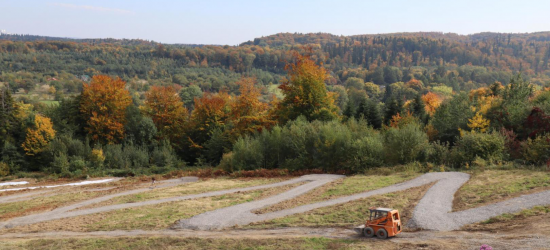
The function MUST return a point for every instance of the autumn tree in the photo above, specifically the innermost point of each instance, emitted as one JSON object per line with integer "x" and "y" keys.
{"x": 103, "y": 104}
{"x": 165, "y": 107}
{"x": 38, "y": 135}
{"x": 478, "y": 123}
{"x": 432, "y": 102}
{"x": 248, "y": 113}
{"x": 305, "y": 92}
{"x": 211, "y": 113}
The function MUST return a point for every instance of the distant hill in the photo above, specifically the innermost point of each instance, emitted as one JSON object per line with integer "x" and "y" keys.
{"x": 324, "y": 38}
{"x": 124, "y": 42}
{"x": 462, "y": 62}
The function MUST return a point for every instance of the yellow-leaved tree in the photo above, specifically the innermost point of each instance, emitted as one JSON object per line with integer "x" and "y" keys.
{"x": 478, "y": 123}
{"x": 38, "y": 135}
{"x": 305, "y": 92}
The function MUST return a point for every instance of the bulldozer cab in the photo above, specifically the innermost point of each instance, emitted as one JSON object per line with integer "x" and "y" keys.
{"x": 378, "y": 213}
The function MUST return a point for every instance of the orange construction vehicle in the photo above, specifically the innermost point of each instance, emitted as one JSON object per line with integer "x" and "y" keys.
{"x": 382, "y": 222}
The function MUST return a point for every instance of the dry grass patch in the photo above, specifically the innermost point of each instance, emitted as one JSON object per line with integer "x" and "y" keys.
{"x": 203, "y": 186}
{"x": 493, "y": 186}
{"x": 352, "y": 213}
{"x": 147, "y": 243}
{"x": 343, "y": 187}
{"x": 64, "y": 196}
{"x": 44, "y": 203}
{"x": 535, "y": 220}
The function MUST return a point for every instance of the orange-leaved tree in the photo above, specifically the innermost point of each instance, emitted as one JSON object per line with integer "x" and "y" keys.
{"x": 432, "y": 101}
{"x": 165, "y": 107}
{"x": 305, "y": 92}
{"x": 103, "y": 104}
{"x": 212, "y": 111}
{"x": 38, "y": 135}
{"x": 248, "y": 113}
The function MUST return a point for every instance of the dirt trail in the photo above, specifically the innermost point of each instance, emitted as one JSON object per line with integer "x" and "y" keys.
{"x": 25, "y": 196}
{"x": 414, "y": 240}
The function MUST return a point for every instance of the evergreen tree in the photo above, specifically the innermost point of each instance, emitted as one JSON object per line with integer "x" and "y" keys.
{"x": 7, "y": 115}
{"x": 349, "y": 111}
{"x": 418, "y": 108}
{"x": 393, "y": 107}
{"x": 374, "y": 117}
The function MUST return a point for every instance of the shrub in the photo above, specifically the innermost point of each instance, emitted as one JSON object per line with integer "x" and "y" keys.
{"x": 164, "y": 155}
{"x": 97, "y": 158}
{"x": 438, "y": 153}
{"x": 404, "y": 145}
{"x": 537, "y": 151}
{"x": 76, "y": 163}
{"x": 368, "y": 152}
{"x": 126, "y": 156}
{"x": 12, "y": 157}
{"x": 487, "y": 146}
{"x": 60, "y": 164}
{"x": 247, "y": 154}
{"x": 4, "y": 169}
{"x": 330, "y": 146}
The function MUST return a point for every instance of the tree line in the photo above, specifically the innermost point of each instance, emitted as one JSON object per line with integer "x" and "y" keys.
{"x": 109, "y": 128}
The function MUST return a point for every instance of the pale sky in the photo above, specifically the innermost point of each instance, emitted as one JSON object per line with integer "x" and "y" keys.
{"x": 233, "y": 22}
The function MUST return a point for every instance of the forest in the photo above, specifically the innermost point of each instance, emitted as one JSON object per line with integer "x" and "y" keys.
{"x": 344, "y": 104}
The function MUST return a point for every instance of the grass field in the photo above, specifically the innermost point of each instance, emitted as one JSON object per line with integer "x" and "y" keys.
{"x": 194, "y": 243}
{"x": 492, "y": 186}
{"x": 203, "y": 186}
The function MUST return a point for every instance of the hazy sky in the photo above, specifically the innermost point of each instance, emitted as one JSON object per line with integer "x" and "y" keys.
{"x": 233, "y": 22}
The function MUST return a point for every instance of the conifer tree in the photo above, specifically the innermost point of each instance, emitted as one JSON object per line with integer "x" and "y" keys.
{"x": 7, "y": 115}
{"x": 393, "y": 107}
{"x": 418, "y": 108}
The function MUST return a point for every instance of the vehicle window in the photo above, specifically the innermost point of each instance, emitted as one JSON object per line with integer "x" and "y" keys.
{"x": 395, "y": 216}
{"x": 380, "y": 214}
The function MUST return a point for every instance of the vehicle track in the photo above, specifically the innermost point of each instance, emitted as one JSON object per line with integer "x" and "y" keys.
{"x": 459, "y": 239}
